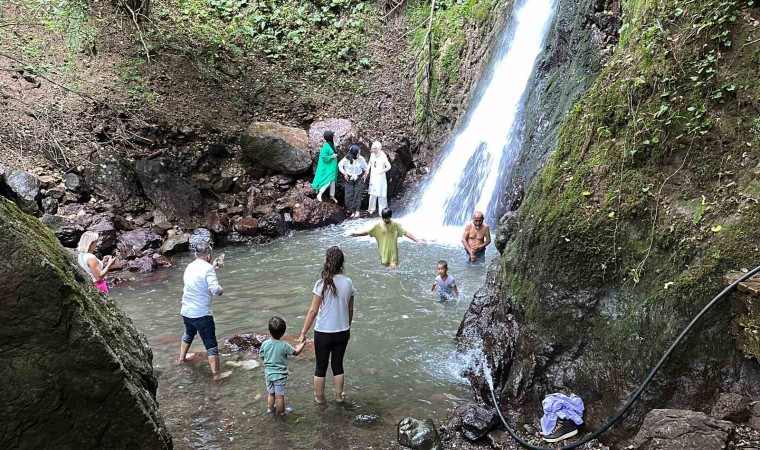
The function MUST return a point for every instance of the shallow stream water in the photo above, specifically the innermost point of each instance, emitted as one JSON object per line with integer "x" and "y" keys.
{"x": 400, "y": 361}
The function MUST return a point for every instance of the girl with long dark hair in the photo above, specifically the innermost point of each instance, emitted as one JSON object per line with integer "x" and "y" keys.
{"x": 332, "y": 305}
{"x": 327, "y": 168}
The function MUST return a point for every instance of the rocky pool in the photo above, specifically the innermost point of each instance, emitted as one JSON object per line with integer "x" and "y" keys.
{"x": 401, "y": 359}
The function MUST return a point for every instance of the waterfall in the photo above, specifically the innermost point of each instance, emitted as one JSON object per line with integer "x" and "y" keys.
{"x": 476, "y": 162}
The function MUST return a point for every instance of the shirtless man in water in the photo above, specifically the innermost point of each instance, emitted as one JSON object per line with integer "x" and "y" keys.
{"x": 476, "y": 237}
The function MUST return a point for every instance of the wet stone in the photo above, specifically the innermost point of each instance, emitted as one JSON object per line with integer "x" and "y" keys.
{"x": 200, "y": 235}
{"x": 477, "y": 422}
{"x": 733, "y": 407}
{"x": 665, "y": 429}
{"x": 418, "y": 434}
{"x": 49, "y": 205}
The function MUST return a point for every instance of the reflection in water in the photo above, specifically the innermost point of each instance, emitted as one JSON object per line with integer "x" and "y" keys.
{"x": 400, "y": 360}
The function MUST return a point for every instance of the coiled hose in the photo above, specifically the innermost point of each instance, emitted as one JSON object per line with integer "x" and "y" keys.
{"x": 643, "y": 385}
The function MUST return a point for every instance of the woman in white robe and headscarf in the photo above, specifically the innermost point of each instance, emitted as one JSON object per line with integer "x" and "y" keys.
{"x": 378, "y": 185}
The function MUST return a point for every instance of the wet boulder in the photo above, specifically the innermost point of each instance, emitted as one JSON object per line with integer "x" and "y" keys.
{"x": 200, "y": 235}
{"x": 477, "y": 421}
{"x": 133, "y": 243}
{"x": 346, "y": 133}
{"x": 314, "y": 214}
{"x": 233, "y": 238}
{"x": 418, "y": 434}
{"x": 733, "y": 407}
{"x": 175, "y": 197}
{"x": 244, "y": 341}
{"x": 68, "y": 233}
{"x": 80, "y": 374}
{"x": 219, "y": 223}
{"x": 142, "y": 264}
{"x": 667, "y": 429}
{"x": 161, "y": 228}
{"x": 114, "y": 177}
{"x": 272, "y": 225}
{"x": 247, "y": 226}
{"x": 175, "y": 243}
{"x": 276, "y": 147}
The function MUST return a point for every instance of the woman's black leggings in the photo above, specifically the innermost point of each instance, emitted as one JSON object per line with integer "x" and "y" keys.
{"x": 326, "y": 344}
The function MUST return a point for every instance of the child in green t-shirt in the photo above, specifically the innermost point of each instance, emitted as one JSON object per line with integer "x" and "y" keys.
{"x": 275, "y": 354}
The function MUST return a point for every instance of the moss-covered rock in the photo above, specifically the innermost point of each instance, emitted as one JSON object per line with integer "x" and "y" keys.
{"x": 630, "y": 227}
{"x": 75, "y": 372}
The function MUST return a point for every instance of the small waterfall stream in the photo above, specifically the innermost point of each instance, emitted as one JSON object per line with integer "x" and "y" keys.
{"x": 476, "y": 162}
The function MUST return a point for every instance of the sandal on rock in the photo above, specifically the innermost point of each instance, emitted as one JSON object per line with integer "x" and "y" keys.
{"x": 339, "y": 398}
{"x": 319, "y": 401}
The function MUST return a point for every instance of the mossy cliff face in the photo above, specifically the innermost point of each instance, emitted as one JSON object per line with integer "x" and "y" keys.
{"x": 75, "y": 372}
{"x": 650, "y": 197}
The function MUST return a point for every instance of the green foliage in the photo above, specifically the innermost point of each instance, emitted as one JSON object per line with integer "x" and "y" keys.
{"x": 69, "y": 18}
{"x": 129, "y": 72}
{"x": 451, "y": 20}
{"x": 329, "y": 34}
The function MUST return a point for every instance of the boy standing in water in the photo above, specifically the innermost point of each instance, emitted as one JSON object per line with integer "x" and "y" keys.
{"x": 275, "y": 354}
{"x": 386, "y": 234}
{"x": 445, "y": 283}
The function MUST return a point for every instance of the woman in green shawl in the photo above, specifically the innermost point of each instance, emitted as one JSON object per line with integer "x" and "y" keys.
{"x": 327, "y": 168}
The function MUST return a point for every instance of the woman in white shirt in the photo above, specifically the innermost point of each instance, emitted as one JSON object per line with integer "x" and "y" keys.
{"x": 378, "y": 185}
{"x": 332, "y": 306}
{"x": 90, "y": 263}
{"x": 352, "y": 167}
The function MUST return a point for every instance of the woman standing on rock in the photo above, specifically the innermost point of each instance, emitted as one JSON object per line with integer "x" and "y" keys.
{"x": 378, "y": 185}
{"x": 352, "y": 167}
{"x": 90, "y": 263}
{"x": 332, "y": 305}
{"x": 327, "y": 168}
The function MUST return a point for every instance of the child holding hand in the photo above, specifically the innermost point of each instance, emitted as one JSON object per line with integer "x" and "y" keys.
{"x": 275, "y": 354}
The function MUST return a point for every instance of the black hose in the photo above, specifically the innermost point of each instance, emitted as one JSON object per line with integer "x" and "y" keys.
{"x": 643, "y": 385}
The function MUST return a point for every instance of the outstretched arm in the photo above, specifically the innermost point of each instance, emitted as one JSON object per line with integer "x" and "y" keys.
{"x": 299, "y": 348}
{"x": 316, "y": 301}
{"x": 360, "y": 233}
{"x": 411, "y": 236}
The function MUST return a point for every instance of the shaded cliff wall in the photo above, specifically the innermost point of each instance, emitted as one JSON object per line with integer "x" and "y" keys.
{"x": 75, "y": 372}
{"x": 649, "y": 198}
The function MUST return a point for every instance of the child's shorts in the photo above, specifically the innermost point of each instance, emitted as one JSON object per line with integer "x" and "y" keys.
{"x": 277, "y": 387}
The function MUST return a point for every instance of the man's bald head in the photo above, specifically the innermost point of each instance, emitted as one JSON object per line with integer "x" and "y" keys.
{"x": 477, "y": 219}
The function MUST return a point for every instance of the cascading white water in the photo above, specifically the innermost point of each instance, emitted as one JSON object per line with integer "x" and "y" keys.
{"x": 474, "y": 162}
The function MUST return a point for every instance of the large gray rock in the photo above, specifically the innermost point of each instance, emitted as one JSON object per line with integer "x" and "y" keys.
{"x": 21, "y": 187}
{"x": 346, "y": 133}
{"x": 276, "y": 147}
{"x": 676, "y": 429}
{"x": 175, "y": 243}
{"x": 68, "y": 233}
{"x": 75, "y": 373}
{"x": 169, "y": 192}
{"x": 418, "y": 434}
{"x": 114, "y": 177}
{"x": 733, "y": 407}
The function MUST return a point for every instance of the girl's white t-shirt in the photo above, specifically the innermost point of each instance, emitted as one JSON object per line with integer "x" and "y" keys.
{"x": 332, "y": 316}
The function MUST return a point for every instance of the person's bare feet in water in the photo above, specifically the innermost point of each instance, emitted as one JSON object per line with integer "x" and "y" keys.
{"x": 222, "y": 375}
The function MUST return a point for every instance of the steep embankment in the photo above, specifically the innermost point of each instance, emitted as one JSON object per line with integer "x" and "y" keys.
{"x": 650, "y": 198}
